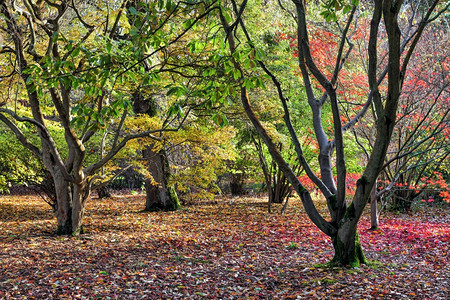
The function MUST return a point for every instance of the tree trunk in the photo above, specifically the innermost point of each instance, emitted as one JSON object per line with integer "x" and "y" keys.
{"x": 373, "y": 208}
{"x": 79, "y": 196}
{"x": 159, "y": 195}
{"x": 63, "y": 210}
{"x": 237, "y": 184}
{"x": 70, "y": 204}
{"x": 347, "y": 248}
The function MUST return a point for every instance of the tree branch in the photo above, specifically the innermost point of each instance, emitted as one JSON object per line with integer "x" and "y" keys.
{"x": 21, "y": 137}
{"x": 46, "y": 136}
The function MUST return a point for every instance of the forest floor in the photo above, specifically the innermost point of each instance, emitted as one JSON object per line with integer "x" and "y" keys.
{"x": 227, "y": 249}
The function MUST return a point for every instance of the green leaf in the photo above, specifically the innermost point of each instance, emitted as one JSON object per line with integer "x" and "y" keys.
{"x": 29, "y": 80}
{"x": 75, "y": 109}
{"x": 260, "y": 83}
{"x": 187, "y": 23}
{"x": 108, "y": 47}
{"x": 237, "y": 55}
{"x": 220, "y": 119}
{"x": 227, "y": 17}
{"x": 260, "y": 54}
{"x": 176, "y": 90}
{"x": 347, "y": 8}
{"x": 248, "y": 83}
{"x": 175, "y": 109}
{"x": 69, "y": 65}
{"x": 67, "y": 82}
{"x": 40, "y": 92}
{"x": 160, "y": 4}
{"x": 133, "y": 10}
{"x": 134, "y": 31}
{"x": 191, "y": 46}
{"x": 75, "y": 52}
{"x": 237, "y": 74}
{"x": 55, "y": 36}
{"x": 169, "y": 5}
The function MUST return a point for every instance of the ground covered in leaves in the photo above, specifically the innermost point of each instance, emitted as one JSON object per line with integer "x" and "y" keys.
{"x": 229, "y": 249}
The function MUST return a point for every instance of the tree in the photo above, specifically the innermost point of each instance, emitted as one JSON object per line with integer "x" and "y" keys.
{"x": 159, "y": 196}
{"x": 342, "y": 228}
{"x": 67, "y": 72}
{"x": 183, "y": 89}
{"x": 255, "y": 163}
{"x": 419, "y": 146}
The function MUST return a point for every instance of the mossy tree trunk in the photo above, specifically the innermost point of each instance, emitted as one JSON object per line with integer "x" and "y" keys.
{"x": 160, "y": 196}
{"x": 347, "y": 248}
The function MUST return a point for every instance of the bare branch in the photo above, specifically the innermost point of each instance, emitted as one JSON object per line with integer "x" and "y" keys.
{"x": 80, "y": 18}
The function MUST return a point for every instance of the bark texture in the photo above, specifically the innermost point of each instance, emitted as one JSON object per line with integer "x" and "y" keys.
{"x": 159, "y": 195}
{"x": 374, "y": 209}
{"x": 347, "y": 250}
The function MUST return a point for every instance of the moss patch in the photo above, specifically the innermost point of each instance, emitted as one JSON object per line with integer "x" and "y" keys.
{"x": 175, "y": 201}
{"x": 353, "y": 256}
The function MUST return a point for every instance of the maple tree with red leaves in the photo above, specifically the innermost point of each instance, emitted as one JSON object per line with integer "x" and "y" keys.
{"x": 419, "y": 147}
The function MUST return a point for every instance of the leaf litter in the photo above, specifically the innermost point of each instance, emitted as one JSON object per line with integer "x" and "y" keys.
{"x": 227, "y": 249}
